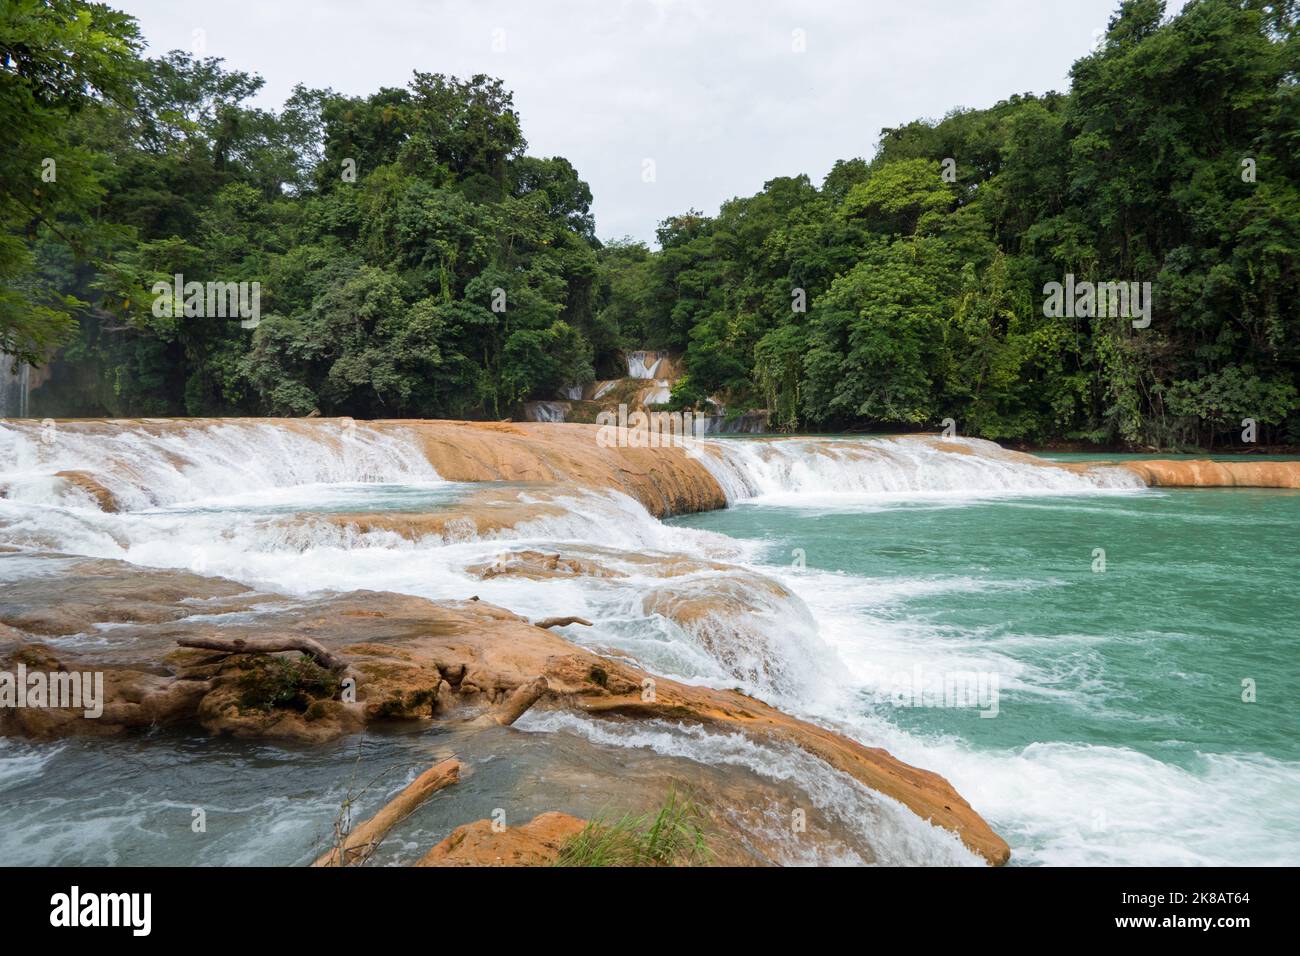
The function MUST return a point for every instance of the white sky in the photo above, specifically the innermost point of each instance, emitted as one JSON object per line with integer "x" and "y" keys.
{"x": 710, "y": 90}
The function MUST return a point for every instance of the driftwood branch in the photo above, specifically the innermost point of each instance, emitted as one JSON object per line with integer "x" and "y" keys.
{"x": 269, "y": 645}
{"x": 523, "y": 697}
{"x": 364, "y": 838}
{"x": 561, "y": 622}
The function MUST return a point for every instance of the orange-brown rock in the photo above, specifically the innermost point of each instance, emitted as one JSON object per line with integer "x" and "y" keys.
{"x": 113, "y": 592}
{"x": 132, "y": 698}
{"x": 1165, "y": 473}
{"x": 87, "y": 483}
{"x": 421, "y": 660}
{"x": 539, "y": 566}
{"x": 536, "y": 843}
{"x": 1216, "y": 474}
{"x": 594, "y": 561}
{"x": 665, "y": 480}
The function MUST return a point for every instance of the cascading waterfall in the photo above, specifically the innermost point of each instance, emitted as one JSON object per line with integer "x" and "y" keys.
{"x": 236, "y": 498}
{"x": 657, "y": 394}
{"x": 251, "y": 500}
{"x": 226, "y": 498}
{"x": 747, "y": 423}
{"x": 810, "y": 470}
{"x": 910, "y": 841}
{"x": 644, "y": 364}
{"x": 146, "y": 467}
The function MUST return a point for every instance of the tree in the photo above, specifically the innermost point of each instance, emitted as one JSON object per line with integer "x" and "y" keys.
{"x": 58, "y": 58}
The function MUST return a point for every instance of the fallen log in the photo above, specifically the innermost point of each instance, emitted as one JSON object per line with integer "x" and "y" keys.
{"x": 523, "y": 697}
{"x": 269, "y": 645}
{"x": 561, "y": 622}
{"x": 359, "y": 844}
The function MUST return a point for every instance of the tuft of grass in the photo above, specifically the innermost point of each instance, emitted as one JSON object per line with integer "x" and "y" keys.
{"x": 672, "y": 836}
{"x": 273, "y": 682}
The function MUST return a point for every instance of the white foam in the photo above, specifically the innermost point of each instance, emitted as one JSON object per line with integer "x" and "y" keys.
{"x": 20, "y": 761}
{"x": 211, "y": 460}
{"x": 830, "y": 473}
{"x": 1072, "y": 804}
{"x": 643, "y": 364}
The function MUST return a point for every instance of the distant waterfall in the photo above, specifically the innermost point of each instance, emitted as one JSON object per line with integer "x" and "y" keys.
{"x": 546, "y": 411}
{"x": 14, "y": 377}
{"x": 644, "y": 364}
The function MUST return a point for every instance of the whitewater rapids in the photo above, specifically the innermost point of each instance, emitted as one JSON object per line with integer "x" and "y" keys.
{"x": 253, "y": 502}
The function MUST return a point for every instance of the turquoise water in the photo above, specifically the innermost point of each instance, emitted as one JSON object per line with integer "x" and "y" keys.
{"x": 1121, "y": 733}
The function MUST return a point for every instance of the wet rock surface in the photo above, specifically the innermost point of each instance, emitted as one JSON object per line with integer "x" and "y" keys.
{"x": 535, "y": 843}
{"x": 413, "y": 660}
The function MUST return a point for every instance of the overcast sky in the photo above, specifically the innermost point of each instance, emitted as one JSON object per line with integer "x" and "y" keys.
{"x": 714, "y": 92}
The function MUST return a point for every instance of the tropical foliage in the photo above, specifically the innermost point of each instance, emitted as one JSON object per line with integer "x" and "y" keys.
{"x": 413, "y": 259}
{"x": 1171, "y": 160}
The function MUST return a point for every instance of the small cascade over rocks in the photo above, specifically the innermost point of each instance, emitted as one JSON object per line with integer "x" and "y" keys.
{"x": 546, "y": 411}
{"x": 148, "y": 464}
{"x": 658, "y": 394}
{"x": 648, "y": 383}
{"x": 658, "y": 372}
{"x": 650, "y": 365}
{"x": 747, "y": 423}
{"x": 794, "y": 471}
{"x": 647, "y": 386}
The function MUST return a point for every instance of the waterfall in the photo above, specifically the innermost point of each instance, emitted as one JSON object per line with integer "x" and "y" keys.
{"x": 644, "y": 364}
{"x": 150, "y": 464}
{"x": 145, "y": 466}
{"x": 657, "y": 394}
{"x": 752, "y": 423}
{"x": 546, "y": 411}
{"x": 14, "y": 378}
{"x": 792, "y": 469}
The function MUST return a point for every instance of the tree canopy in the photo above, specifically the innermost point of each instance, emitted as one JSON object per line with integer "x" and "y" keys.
{"x": 1171, "y": 160}
{"x": 415, "y": 260}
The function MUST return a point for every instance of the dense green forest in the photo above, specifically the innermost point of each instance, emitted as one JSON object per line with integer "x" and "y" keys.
{"x": 414, "y": 260}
